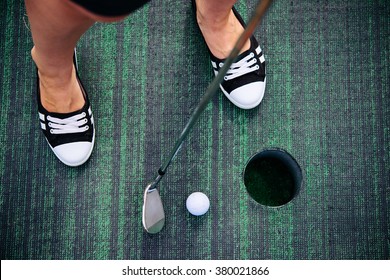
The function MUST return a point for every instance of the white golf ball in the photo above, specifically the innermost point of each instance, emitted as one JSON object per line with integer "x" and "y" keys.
{"x": 197, "y": 203}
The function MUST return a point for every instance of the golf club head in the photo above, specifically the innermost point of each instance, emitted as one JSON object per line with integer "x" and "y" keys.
{"x": 153, "y": 216}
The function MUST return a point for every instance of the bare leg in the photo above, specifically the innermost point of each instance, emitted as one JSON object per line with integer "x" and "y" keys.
{"x": 56, "y": 27}
{"x": 219, "y": 26}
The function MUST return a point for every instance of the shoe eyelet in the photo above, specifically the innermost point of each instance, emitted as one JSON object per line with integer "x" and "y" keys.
{"x": 49, "y": 124}
{"x": 84, "y": 114}
{"x": 86, "y": 128}
{"x": 52, "y": 131}
{"x": 220, "y": 65}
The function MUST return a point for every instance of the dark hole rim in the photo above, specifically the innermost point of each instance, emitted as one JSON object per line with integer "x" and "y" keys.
{"x": 288, "y": 160}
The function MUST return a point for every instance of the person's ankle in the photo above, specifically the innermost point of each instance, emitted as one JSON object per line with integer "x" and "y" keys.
{"x": 59, "y": 88}
{"x": 52, "y": 69}
{"x": 214, "y": 22}
{"x": 61, "y": 96}
{"x": 220, "y": 33}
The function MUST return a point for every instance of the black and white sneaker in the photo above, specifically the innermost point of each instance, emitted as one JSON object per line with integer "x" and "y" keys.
{"x": 71, "y": 136}
{"x": 244, "y": 83}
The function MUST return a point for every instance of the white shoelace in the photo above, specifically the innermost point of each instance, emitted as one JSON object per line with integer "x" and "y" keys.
{"x": 244, "y": 66}
{"x": 72, "y": 124}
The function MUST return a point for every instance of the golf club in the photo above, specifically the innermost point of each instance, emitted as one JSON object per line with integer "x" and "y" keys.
{"x": 153, "y": 215}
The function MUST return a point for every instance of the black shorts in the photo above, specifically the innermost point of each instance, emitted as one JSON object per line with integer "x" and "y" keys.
{"x": 111, "y": 8}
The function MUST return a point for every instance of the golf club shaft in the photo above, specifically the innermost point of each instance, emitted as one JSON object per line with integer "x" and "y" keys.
{"x": 213, "y": 87}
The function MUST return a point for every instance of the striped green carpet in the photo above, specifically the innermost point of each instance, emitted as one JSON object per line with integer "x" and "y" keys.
{"x": 327, "y": 103}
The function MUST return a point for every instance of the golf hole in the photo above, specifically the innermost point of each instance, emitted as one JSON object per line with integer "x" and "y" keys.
{"x": 272, "y": 177}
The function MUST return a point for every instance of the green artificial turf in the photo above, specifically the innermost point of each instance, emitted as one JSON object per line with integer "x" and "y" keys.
{"x": 326, "y": 103}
